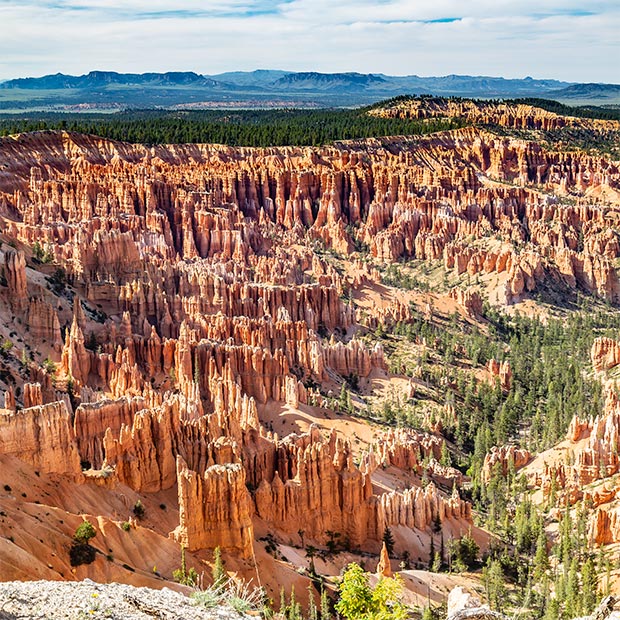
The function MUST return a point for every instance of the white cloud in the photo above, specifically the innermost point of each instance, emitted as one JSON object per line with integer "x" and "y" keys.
{"x": 545, "y": 38}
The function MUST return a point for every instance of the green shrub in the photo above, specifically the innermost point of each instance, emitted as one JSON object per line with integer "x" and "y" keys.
{"x": 138, "y": 509}
{"x": 84, "y": 532}
{"x": 359, "y": 600}
{"x": 81, "y": 552}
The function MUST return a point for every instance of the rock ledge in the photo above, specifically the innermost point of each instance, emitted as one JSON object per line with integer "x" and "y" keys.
{"x": 87, "y": 599}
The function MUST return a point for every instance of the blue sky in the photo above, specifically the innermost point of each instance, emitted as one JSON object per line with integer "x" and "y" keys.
{"x": 563, "y": 39}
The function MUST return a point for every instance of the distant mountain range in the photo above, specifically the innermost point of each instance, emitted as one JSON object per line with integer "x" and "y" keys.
{"x": 100, "y": 89}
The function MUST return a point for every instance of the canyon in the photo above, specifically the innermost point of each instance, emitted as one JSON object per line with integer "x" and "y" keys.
{"x": 179, "y": 322}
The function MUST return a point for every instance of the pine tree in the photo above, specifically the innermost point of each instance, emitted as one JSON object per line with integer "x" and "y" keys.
{"x": 552, "y": 610}
{"x": 428, "y": 614}
{"x": 294, "y": 608}
{"x": 589, "y": 586}
{"x": 388, "y": 539}
{"x": 445, "y": 459}
{"x": 431, "y": 555}
{"x": 573, "y": 599}
{"x": 342, "y": 399}
{"x": 541, "y": 558}
{"x": 493, "y": 577}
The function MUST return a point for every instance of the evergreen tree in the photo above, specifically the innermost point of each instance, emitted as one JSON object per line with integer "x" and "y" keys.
{"x": 388, "y": 539}
{"x": 552, "y": 609}
{"x": 589, "y": 586}
{"x": 431, "y": 558}
{"x": 541, "y": 558}
{"x": 493, "y": 578}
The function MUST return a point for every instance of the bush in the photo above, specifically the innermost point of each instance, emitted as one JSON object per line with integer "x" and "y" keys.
{"x": 182, "y": 575}
{"x": 84, "y": 532}
{"x": 49, "y": 366}
{"x": 81, "y": 552}
{"x": 138, "y": 509}
{"x": 126, "y": 526}
{"x": 359, "y": 600}
{"x": 241, "y": 596}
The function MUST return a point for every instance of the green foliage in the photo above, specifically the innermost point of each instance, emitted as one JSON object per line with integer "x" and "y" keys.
{"x": 463, "y": 553}
{"x": 358, "y": 601}
{"x": 219, "y": 572}
{"x": 84, "y": 532}
{"x": 313, "y": 610}
{"x": 325, "y": 606}
{"x": 5, "y": 348}
{"x": 235, "y": 128}
{"x": 493, "y": 580}
{"x": 138, "y": 509}
{"x": 49, "y": 366}
{"x": 81, "y": 552}
{"x": 40, "y": 254}
{"x": 388, "y": 539}
{"x": 552, "y": 609}
{"x": 344, "y": 400}
{"x": 182, "y": 575}
{"x": 589, "y": 586}
{"x": 241, "y": 596}
{"x": 125, "y": 526}
{"x": 37, "y": 251}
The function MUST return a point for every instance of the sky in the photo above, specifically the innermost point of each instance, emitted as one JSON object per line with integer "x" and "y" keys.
{"x": 563, "y": 39}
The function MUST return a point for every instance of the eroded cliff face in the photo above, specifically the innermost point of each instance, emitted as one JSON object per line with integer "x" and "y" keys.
{"x": 199, "y": 300}
{"x": 41, "y": 435}
{"x": 114, "y": 212}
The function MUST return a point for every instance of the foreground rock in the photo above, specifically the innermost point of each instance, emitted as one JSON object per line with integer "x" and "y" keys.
{"x": 462, "y": 604}
{"x": 86, "y": 599}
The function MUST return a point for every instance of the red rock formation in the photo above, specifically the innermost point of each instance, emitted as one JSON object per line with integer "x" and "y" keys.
{"x": 43, "y": 324}
{"x": 516, "y": 116}
{"x": 42, "y": 436}
{"x": 469, "y": 300}
{"x": 502, "y": 370}
{"x": 316, "y": 483}
{"x": 32, "y": 395}
{"x": 604, "y": 526}
{"x": 507, "y": 457}
{"x": 203, "y": 296}
{"x": 215, "y": 509}
{"x": 384, "y": 568}
{"x": 75, "y": 360}
{"x": 605, "y": 354}
{"x": 596, "y": 459}
{"x": 15, "y": 273}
